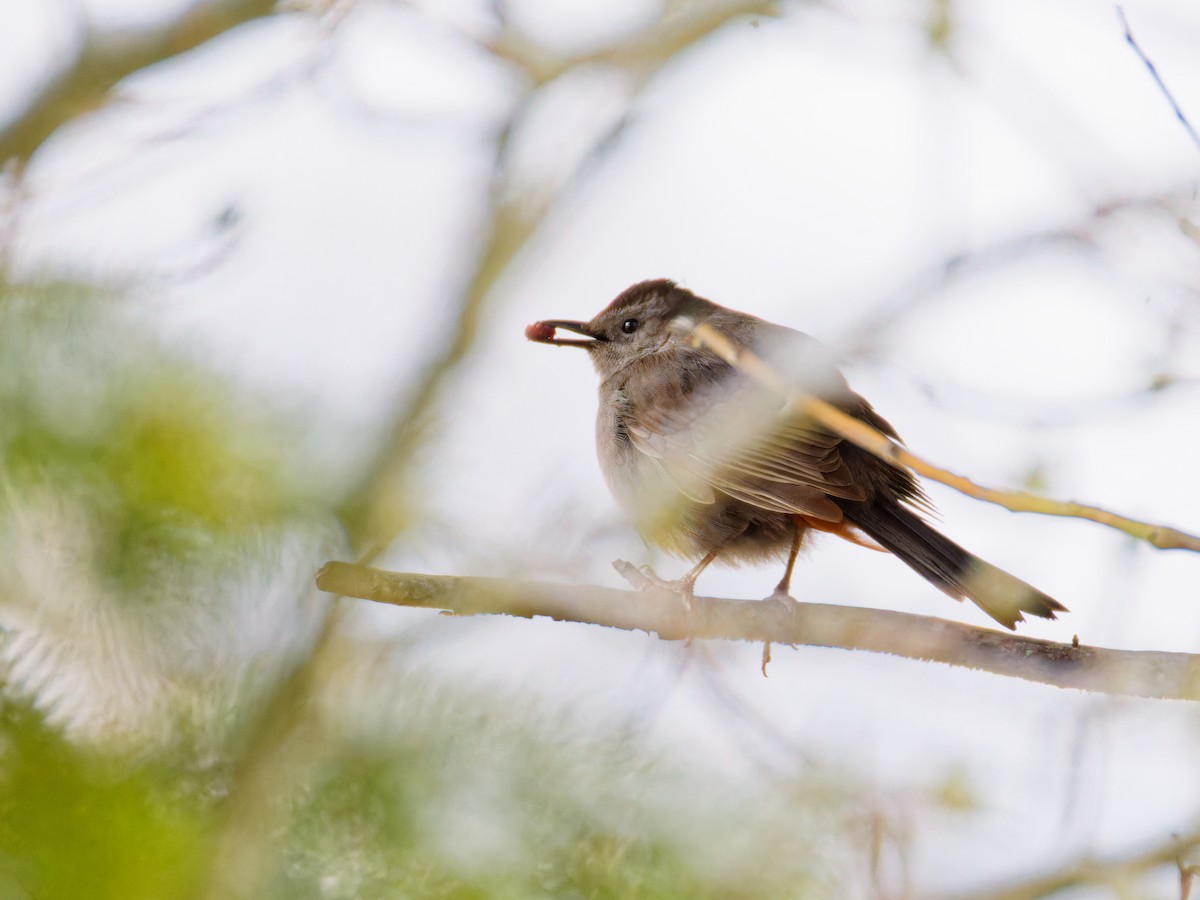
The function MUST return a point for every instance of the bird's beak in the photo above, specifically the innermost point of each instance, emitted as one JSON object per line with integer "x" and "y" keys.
{"x": 543, "y": 333}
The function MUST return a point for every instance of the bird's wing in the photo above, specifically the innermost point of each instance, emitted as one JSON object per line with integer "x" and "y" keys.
{"x": 733, "y": 436}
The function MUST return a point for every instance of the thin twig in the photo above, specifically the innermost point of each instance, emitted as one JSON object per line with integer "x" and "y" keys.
{"x": 1162, "y": 536}
{"x": 1140, "y": 673}
{"x": 1157, "y": 78}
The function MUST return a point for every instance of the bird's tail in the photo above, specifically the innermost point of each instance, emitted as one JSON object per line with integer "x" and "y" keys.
{"x": 948, "y": 566}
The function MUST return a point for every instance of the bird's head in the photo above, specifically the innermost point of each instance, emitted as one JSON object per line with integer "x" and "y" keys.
{"x": 650, "y": 317}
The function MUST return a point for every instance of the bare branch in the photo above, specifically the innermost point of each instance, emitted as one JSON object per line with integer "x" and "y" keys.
{"x": 106, "y": 59}
{"x": 1163, "y": 537}
{"x": 1157, "y": 78}
{"x": 1140, "y": 673}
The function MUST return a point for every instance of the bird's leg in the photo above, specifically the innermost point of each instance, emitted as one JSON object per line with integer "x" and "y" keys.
{"x": 687, "y": 583}
{"x": 782, "y": 593}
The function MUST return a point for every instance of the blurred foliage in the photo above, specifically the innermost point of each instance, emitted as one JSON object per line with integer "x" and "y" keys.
{"x": 470, "y": 794}
{"x": 156, "y": 452}
{"x": 458, "y": 804}
{"x": 75, "y": 823}
{"x": 154, "y": 519}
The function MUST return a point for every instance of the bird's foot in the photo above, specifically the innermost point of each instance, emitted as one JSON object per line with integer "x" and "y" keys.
{"x": 784, "y": 600}
{"x": 684, "y": 587}
{"x": 665, "y": 584}
{"x": 644, "y": 578}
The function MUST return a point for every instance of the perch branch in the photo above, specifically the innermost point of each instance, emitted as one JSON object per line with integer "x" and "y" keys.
{"x": 1141, "y": 673}
{"x": 104, "y": 59}
{"x": 1162, "y": 536}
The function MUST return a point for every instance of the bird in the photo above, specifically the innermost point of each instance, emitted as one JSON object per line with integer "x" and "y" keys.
{"x": 713, "y": 466}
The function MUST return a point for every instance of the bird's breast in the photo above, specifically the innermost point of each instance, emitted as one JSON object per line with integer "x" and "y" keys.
{"x": 626, "y": 470}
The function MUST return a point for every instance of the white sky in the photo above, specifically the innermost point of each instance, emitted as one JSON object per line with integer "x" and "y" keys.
{"x": 809, "y": 170}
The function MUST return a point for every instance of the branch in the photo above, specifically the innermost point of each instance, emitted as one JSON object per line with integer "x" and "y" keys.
{"x": 1129, "y": 38}
{"x": 1163, "y": 537}
{"x": 642, "y": 53}
{"x": 106, "y": 59}
{"x": 1133, "y": 673}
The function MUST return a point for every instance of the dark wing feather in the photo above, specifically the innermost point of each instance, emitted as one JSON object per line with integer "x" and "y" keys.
{"x": 720, "y": 431}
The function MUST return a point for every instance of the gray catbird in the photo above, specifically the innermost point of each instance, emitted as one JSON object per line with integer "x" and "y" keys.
{"x": 710, "y": 465}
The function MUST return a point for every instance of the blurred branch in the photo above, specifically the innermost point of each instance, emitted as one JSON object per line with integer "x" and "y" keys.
{"x": 104, "y": 59}
{"x": 1163, "y": 537}
{"x": 642, "y": 54}
{"x": 267, "y": 759}
{"x": 1157, "y": 78}
{"x": 1100, "y": 872}
{"x": 107, "y": 177}
{"x": 1160, "y": 675}
{"x": 968, "y": 401}
{"x": 376, "y": 510}
{"x": 925, "y": 285}
{"x": 1082, "y": 235}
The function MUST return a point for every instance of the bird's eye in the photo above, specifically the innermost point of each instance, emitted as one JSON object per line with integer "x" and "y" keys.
{"x": 629, "y": 326}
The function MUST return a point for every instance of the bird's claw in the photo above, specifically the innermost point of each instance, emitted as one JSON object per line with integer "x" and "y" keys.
{"x": 781, "y": 598}
{"x": 684, "y": 587}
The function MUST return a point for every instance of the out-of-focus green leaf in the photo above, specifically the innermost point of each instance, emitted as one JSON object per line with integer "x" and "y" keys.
{"x": 165, "y": 456}
{"x": 160, "y": 530}
{"x": 74, "y": 823}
